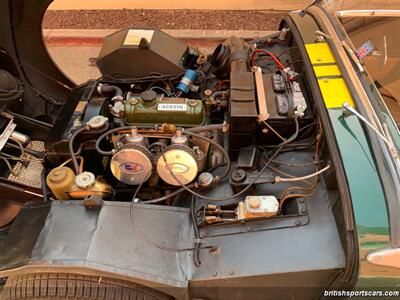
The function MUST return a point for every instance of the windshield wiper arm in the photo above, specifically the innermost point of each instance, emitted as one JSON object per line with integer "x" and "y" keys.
{"x": 385, "y": 137}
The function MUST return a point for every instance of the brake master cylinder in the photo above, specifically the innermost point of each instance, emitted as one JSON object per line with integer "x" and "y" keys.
{"x": 60, "y": 180}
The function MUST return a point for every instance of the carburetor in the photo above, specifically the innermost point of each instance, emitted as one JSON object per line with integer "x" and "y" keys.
{"x": 176, "y": 163}
{"x": 132, "y": 163}
{"x": 179, "y": 164}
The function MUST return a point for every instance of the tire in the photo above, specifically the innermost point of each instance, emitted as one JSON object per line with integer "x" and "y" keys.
{"x": 65, "y": 286}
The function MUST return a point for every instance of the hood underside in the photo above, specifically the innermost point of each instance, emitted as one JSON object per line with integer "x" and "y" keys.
{"x": 24, "y": 55}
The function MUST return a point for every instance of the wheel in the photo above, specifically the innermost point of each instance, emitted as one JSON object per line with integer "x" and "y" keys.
{"x": 64, "y": 286}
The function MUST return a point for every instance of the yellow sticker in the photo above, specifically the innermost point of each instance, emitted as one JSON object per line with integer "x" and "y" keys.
{"x": 334, "y": 89}
{"x": 335, "y": 92}
{"x": 321, "y": 71}
{"x": 134, "y": 36}
{"x": 320, "y": 53}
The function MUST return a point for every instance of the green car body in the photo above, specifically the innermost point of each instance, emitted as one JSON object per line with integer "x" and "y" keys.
{"x": 372, "y": 209}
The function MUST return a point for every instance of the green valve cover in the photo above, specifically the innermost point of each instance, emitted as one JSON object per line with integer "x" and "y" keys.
{"x": 179, "y": 111}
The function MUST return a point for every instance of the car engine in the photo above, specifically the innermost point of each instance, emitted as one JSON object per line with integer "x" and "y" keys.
{"x": 166, "y": 121}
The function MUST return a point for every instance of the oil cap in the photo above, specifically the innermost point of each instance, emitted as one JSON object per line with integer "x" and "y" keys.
{"x": 148, "y": 96}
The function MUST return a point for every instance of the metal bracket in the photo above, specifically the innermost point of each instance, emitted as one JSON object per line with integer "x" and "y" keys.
{"x": 6, "y": 134}
{"x": 262, "y": 101}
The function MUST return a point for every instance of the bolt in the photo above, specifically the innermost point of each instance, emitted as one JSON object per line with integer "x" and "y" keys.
{"x": 301, "y": 200}
{"x": 133, "y": 101}
{"x": 214, "y": 274}
{"x": 215, "y": 251}
{"x": 297, "y": 223}
{"x": 178, "y": 133}
{"x": 303, "y": 210}
{"x": 134, "y": 131}
{"x": 208, "y": 93}
{"x": 193, "y": 103}
{"x": 232, "y": 272}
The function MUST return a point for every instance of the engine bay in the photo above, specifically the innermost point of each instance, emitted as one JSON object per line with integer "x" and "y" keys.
{"x": 235, "y": 131}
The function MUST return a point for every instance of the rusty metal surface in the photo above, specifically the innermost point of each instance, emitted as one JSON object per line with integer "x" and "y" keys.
{"x": 8, "y": 212}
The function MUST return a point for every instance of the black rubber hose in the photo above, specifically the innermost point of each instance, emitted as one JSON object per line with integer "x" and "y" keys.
{"x": 204, "y": 128}
{"x": 151, "y": 242}
{"x": 187, "y": 188}
{"x": 41, "y": 123}
{"x": 29, "y": 151}
{"x": 166, "y": 197}
{"x": 71, "y": 148}
{"x": 294, "y": 136}
{"x": 192, "y": 130}
{"x": 17, "y": 189}
{"x": 111, "y": 89}
{"x": 105, "y": 134}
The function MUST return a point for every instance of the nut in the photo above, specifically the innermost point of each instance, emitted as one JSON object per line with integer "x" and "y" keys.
{"x": 208, "y": 93}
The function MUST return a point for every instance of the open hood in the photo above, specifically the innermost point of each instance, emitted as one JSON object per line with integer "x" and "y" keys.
{"x": 24, "y": 55}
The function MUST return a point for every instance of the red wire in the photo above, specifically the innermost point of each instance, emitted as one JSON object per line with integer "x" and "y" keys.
{"x": 274, "y": 58}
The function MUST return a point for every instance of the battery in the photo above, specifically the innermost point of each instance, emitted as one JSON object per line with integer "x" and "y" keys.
{"x": 278, "y": 108}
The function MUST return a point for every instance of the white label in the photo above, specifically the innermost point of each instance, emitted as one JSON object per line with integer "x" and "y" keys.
{"x": 172, "y": 107}
{"x": 134, "y": 37}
